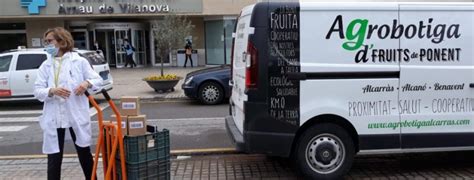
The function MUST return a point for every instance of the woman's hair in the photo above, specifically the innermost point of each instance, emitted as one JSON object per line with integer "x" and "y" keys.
{"x": 63, "y": 37}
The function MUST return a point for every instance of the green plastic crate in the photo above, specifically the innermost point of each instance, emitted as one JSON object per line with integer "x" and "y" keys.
{"x": 152, "y": 170}
{"x": 147, "y": 147}
{"x": 147, "y": 156}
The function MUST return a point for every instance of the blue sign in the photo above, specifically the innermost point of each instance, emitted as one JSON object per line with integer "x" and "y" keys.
{"x": 33, "y": 5}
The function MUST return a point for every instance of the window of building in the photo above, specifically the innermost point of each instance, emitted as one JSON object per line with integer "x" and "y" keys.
{"x": 80, "y": 40}
{"x": 12, "y": 26}
{"x": 30, "y": 61}
{"x": 219, "y": 41}
{"x": 14, "y": 34}
{"x": 14, "y": 40}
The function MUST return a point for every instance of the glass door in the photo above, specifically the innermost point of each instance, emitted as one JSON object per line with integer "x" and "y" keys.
{"x": 120, "y": 54}
{"x": 110, "y": 46}
{"x": 140, "y": 47}
{"x": 105, "y": 40}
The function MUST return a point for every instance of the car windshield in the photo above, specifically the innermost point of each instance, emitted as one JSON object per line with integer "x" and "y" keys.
{"x": 94, "y": 58}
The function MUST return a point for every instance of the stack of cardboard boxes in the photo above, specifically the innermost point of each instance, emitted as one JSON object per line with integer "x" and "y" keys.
{"x": 133, "y": 123}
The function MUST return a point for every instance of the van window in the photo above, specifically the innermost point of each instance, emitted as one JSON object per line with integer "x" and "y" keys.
{"x": 5, "y": 63}
{"x": 94, "y": 58}
{"x": 30, "y": 61}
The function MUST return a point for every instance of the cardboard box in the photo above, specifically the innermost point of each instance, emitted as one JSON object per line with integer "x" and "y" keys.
{"x": 124, "y": 123}
{"x": 130, "y": 106}
{"x": 136, "y": 125}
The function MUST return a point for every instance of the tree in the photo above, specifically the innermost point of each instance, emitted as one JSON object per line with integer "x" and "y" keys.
{"x": 170, "y": 33}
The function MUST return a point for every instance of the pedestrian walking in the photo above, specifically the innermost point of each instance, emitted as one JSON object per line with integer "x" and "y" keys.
{"x": 188, "y": 52}
{"x": 60, "y": 84}
{"x": 130, "y": 50}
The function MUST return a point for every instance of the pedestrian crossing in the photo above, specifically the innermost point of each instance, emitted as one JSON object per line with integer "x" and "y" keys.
{"x": 22, "y": 112}
{"x": 24, "y": 116}
{"x": 12, "y": 128}
{"x": 19, "y": 119}
{"x": 9, "y": 118}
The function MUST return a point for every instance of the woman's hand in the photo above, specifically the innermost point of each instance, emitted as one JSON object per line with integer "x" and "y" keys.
{"x": 82, "y": 88}
{"x": 61, "y": 92}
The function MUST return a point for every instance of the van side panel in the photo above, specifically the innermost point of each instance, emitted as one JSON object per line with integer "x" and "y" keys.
{"x": 271, "y": 112}
{"x": 342, "y": 77}
{"x": 437, "y": 104}
{"x": 361, "y": 62}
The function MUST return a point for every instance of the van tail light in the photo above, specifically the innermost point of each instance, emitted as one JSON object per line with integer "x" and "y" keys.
{"x": 5, "y": 93}
{"x": 251, "y": 72}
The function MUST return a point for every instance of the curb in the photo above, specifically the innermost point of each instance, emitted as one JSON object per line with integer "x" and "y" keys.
{"x": 204, "y": 151}
{"x": 184, "y": 152}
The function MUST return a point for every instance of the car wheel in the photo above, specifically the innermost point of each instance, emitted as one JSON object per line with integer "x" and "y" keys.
{"x": 210, "y": 93}
{"x": 325, "y": 151}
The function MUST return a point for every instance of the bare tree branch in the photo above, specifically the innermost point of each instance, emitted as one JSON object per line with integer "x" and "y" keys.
{"x": 170, "y": 33}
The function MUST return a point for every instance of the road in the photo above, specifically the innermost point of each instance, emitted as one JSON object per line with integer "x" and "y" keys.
{"x": 191, "y": 125}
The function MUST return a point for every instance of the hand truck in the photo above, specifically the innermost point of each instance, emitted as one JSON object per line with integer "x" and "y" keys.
{"x": 112, "y": 133}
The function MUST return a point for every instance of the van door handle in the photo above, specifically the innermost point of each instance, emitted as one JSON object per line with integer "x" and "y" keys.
{"x": 471, "y": 85}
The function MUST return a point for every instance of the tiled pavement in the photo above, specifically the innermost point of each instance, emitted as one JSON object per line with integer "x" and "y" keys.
{"x": 241, "y": 166}
{"x": 232, "y": 167}
{"x": 199, "y": 167}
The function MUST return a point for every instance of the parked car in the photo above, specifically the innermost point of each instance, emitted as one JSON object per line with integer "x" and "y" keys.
{"x": 209, "y": 86}
{"x": 18, "y": 69}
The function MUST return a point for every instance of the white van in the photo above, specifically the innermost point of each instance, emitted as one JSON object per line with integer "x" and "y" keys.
{"x": 18, "y": 69}
{"x": 321, "y": 82}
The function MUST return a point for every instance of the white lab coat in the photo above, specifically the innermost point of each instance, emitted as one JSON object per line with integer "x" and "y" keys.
{"x": 74, "y": 70}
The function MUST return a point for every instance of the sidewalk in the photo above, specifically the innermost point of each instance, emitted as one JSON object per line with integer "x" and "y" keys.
{"x": 233, "y": 166}
{"x": 128, "y": 82}
{"x": 250, "y": 166}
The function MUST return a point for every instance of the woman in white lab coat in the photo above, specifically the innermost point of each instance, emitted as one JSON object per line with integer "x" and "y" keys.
{"x": 60, "y": 84}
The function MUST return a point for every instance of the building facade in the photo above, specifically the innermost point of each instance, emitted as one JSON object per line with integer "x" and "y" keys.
{"x": 104, "y": 24}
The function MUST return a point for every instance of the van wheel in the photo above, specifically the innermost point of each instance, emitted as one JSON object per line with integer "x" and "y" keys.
{"x": 211, "y": 93}
{"x": 325, "y": 151}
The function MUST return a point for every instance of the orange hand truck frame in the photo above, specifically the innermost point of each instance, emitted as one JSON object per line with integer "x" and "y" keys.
{"x": 114, "y": 138}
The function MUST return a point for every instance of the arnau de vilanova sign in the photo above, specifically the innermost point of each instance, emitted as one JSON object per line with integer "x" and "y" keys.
{"x": 112, "y": 6}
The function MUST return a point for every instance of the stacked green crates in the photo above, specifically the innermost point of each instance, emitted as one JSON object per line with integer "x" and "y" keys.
{"x": 147, "y": 156}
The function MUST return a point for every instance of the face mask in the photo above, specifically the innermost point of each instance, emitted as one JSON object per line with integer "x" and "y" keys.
{"x": 51, "y": 49}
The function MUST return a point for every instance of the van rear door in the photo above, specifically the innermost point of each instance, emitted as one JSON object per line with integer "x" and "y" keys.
{"x": 5, "y": 63}
{"x": 240, "y": 59}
